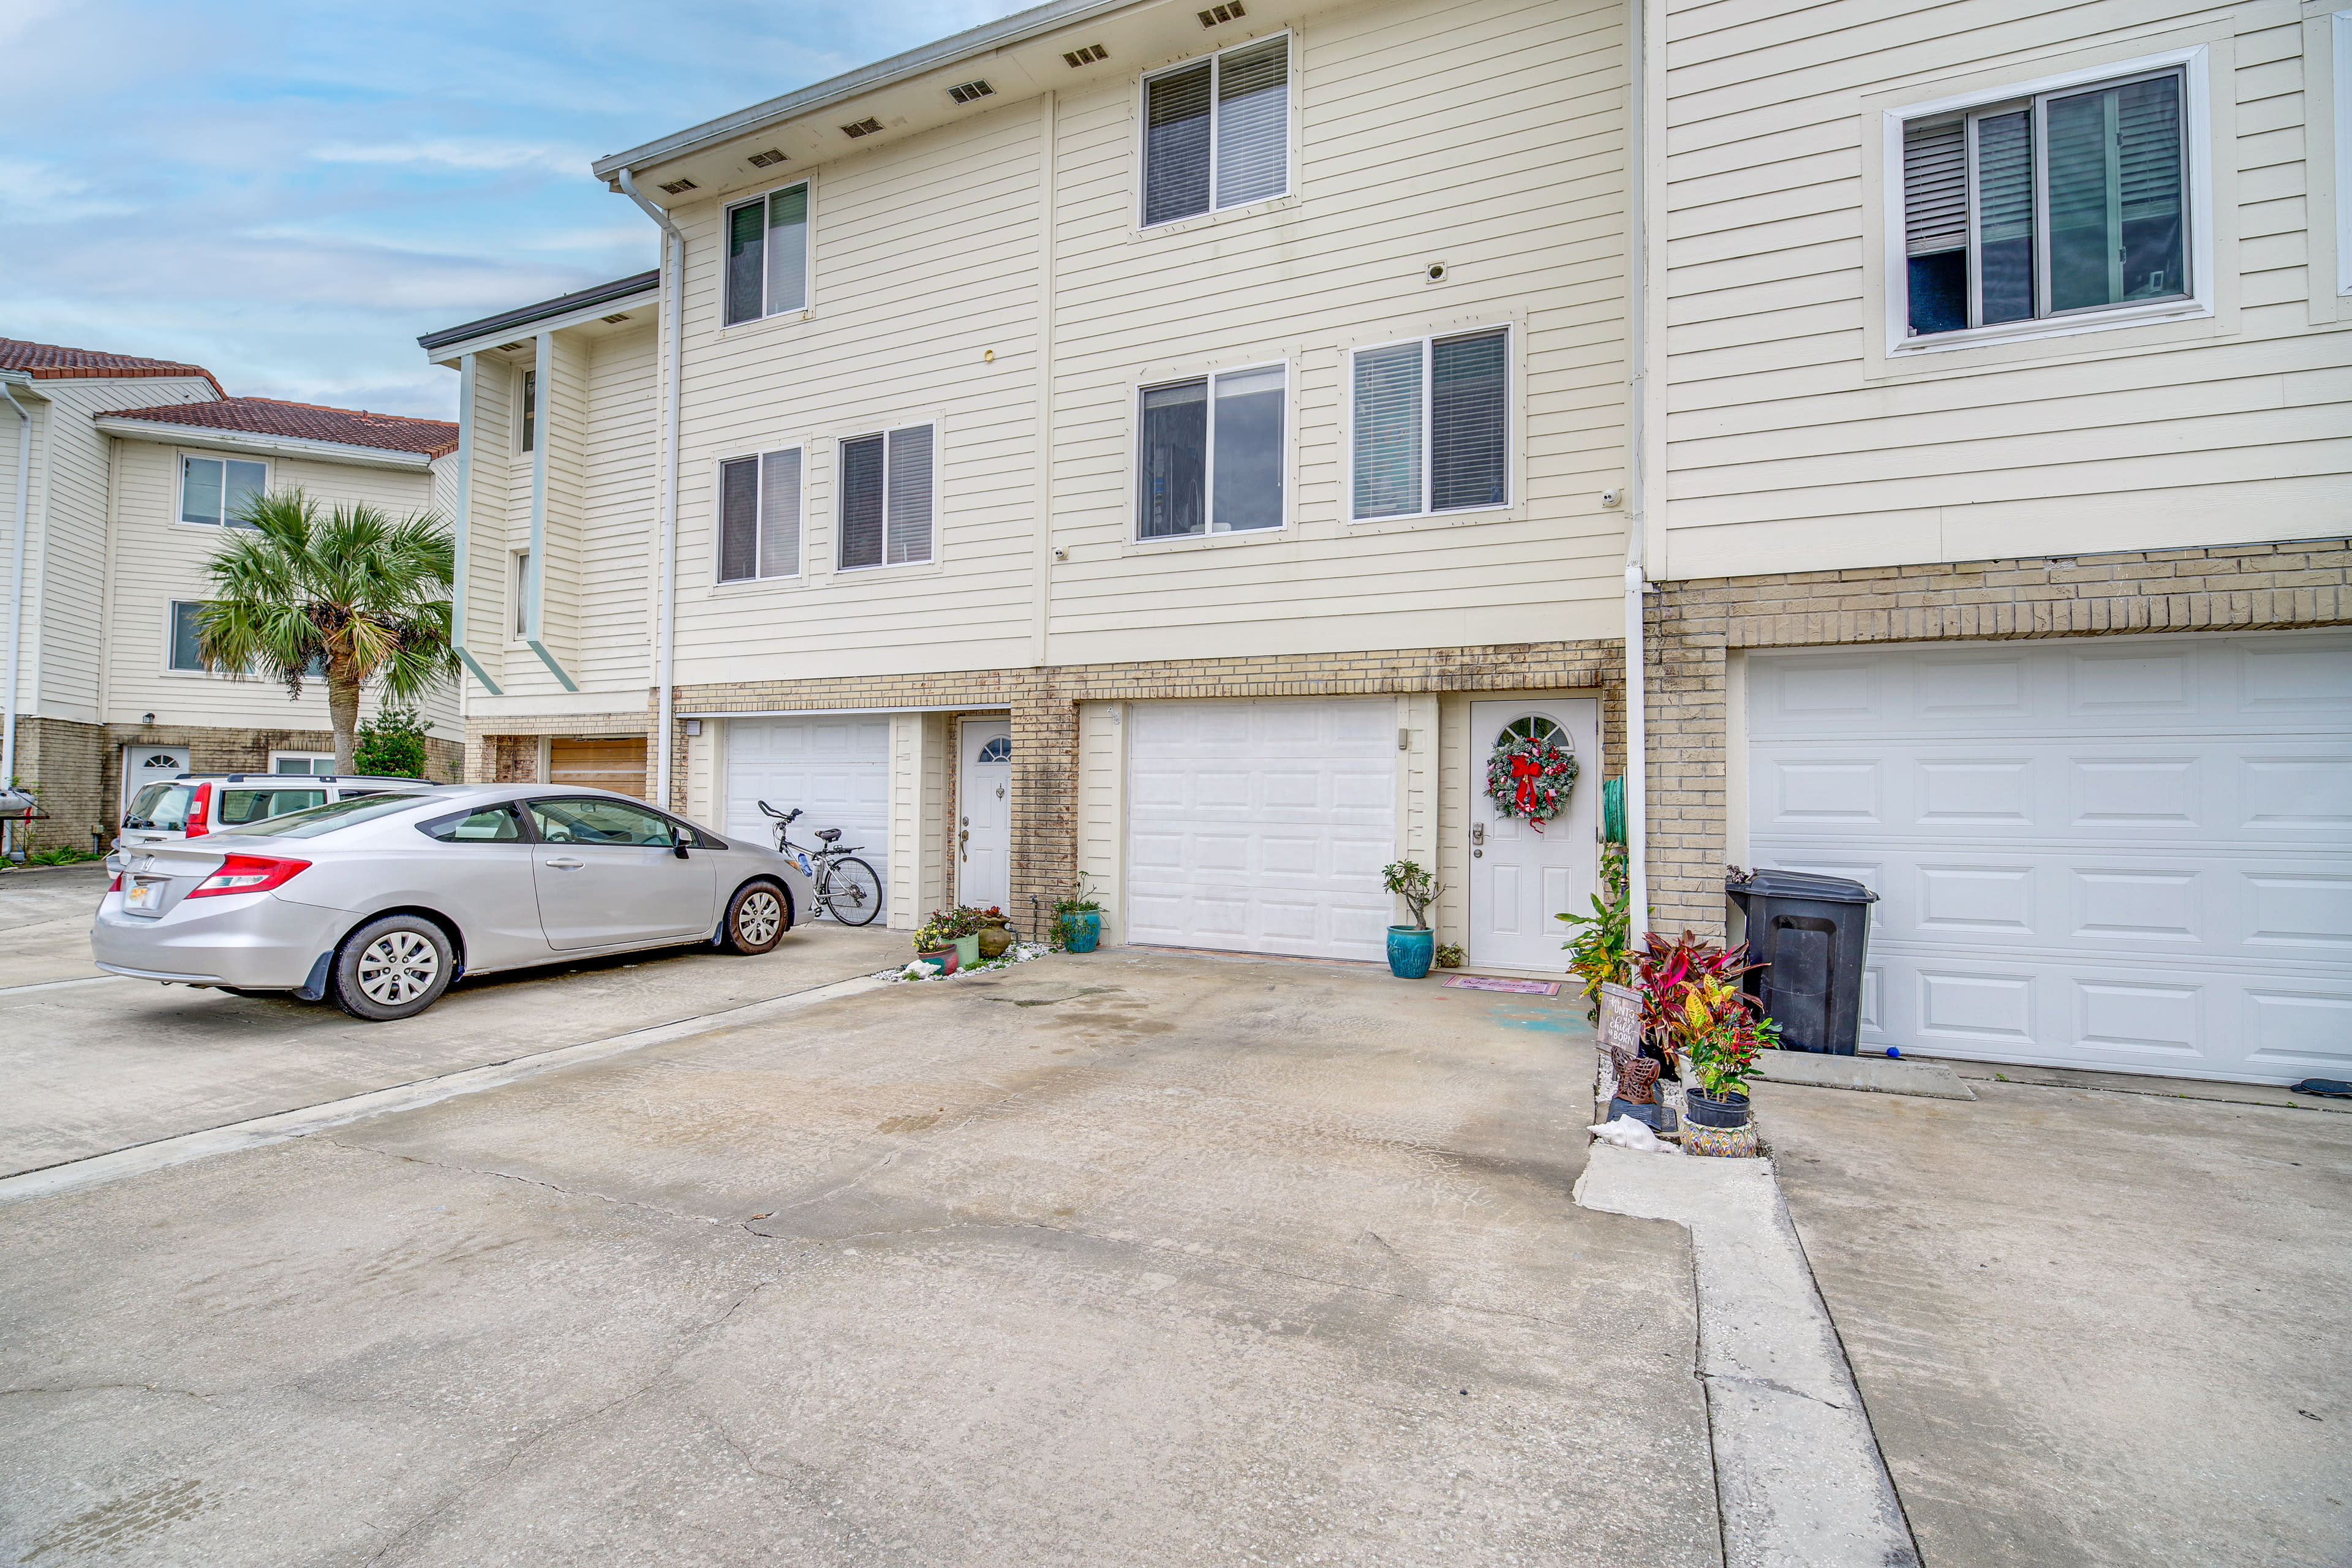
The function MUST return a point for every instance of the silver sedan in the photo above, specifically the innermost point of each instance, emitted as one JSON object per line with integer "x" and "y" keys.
{"x": 378, "y": 902}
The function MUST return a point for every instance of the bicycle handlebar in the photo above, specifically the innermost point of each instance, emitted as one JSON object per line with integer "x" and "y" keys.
{"x": 779, "y": 815}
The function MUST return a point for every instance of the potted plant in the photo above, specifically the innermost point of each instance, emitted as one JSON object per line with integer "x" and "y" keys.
{"x": 1601, "y": 955}
{"x": 957, "y": 928}
{"x": 995, "y": 933}
{"x": 1691, "y": 997}
{"x": 1077, "y": 920}
{"x": 1410, "y": 948}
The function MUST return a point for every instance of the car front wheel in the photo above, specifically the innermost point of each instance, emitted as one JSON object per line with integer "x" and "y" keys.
{"x": 757, "y": 919}
{"x": 393, "y": 967}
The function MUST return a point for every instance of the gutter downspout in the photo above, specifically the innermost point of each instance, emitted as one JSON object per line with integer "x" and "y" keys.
{"x": 16, "y": 603}
{"x": 1637, "y": 247}
{"x": 665, "y": 633}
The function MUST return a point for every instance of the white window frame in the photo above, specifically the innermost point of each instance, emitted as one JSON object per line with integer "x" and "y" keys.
{"x": 517, "y": 598}
{"x": 1289, "y": 130}
{"x": 808, "y": 257}
{"x": 2197, "y": 135}
{"x": 1512, "y": 442}
{"x": 180, "y": 484}
{"x": 938, "y": 511}
{"x": 526, "y": 410}
{"x": 719, "y": 513}
{"x": 275, "y": 757}
{"x": 171, "y": 641}
{"x": 1209, "y": 470}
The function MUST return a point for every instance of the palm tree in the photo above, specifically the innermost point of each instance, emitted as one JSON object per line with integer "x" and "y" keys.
{"x": 351, "y": 598}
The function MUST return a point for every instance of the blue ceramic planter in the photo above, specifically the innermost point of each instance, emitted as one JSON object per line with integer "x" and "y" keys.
{"x": 1082, "y": 930}
{"x": 1410, "y": 948}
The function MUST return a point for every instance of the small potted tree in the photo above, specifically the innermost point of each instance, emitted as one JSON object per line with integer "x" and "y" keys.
{"x": 1410, "y": 948}
{"x": 1077, "y": 920}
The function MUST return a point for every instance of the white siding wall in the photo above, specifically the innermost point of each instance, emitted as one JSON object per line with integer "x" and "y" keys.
{"x": 1102, "y": 814}
{"x": 1795, "y": 444}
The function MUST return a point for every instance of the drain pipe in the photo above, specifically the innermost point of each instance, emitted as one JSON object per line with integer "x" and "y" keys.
{"x": 8, "y": 843}
{"x": 1637, "y": 249}
{"x": 666, "y": 634}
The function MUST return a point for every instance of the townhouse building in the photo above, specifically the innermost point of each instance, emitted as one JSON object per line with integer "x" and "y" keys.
{"x": 1163, "y": 451}
{"x": 120, "y": 477}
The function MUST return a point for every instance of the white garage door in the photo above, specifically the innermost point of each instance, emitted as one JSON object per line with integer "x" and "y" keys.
{"x": 1261, "y": 827}
{"x": 2133, "y": 854}
{"x": 837, "y": 770}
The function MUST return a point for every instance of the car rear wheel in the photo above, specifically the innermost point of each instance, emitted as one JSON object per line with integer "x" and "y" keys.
{"x": 393, "y": 967}
{"x": 757, "y": 918}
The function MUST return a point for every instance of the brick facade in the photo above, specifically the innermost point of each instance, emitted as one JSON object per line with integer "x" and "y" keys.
{"x": 1693, "y": 626}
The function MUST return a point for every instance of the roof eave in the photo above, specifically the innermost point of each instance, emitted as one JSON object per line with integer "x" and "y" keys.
{"x": 263, "y": 445}
{"x": 578, "y": 303}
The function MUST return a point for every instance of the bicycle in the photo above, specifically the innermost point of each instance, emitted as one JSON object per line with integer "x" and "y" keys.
{"x": 846, "y": 887}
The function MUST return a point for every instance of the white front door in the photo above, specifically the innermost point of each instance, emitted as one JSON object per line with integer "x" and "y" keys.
{"x": 1262, "y": 827}
{"x": 984, "y": 820}
{"x": 1520, "y": 878}
{"x": 142, "y": 765}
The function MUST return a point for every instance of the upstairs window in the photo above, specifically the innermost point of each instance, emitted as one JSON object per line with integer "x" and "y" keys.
{"x": 1212, "y": 456}
{"x": 886, "y": 498}
{"x": 217, "y": 490}
{"x": 187, "y": 647}
{"x": 2062, "y": 202}
{"x": 1432, "y": 425}
{"x": 760, "y": 516}
{"x": 1217, "y": 133}
{"x": 529, "y": 410}
{"x": 767, "y": 254}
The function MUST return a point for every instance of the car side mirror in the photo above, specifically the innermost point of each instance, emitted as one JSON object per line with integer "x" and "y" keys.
{"x": 677, "y": 848}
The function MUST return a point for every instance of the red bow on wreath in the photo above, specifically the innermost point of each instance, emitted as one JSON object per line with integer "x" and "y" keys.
{"x": 1525, "y": 771}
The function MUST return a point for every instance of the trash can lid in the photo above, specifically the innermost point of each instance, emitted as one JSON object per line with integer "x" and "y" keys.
{"x": 1772, "y": 883}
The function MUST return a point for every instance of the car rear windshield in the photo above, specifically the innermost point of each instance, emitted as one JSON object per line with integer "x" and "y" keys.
{"x": 240, "y": 807}
{"x": 312, "y": 821}
{"x": 163, "y": 806}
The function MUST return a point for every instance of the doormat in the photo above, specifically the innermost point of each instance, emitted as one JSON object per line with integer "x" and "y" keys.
{"x": 1516, "y": 987}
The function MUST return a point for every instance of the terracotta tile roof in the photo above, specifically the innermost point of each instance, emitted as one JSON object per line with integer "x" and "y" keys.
{"x": 305, "y": 421}
{"x": 47, "y": 361}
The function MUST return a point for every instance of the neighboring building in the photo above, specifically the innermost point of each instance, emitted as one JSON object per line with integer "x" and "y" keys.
{"x": 136, "y": 467}
{"x": 1167, "y": 448}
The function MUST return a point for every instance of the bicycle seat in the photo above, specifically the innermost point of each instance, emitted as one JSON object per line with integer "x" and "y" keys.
{"x": 828, "y": 834}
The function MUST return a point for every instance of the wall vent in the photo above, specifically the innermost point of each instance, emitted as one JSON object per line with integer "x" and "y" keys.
{"x": 862, "y": 127}
{"x": 509, "y": 348}
{"x": 615, "y": 320}
{"x": 966, "y": 91}
{"x": 767, "y": 160}
{"x": 678, "y": 188}
{"x": 1229, "y": 12}
{"x": 1087, "y": 55}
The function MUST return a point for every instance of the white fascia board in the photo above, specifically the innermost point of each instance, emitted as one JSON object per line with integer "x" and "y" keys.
{"x": 213, "y": 440}
{"x": 448, "y": 355}
{"x": 23, "y": 385}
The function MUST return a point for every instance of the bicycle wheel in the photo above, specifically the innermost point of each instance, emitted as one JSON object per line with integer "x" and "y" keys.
{"x": 852, "y": 892}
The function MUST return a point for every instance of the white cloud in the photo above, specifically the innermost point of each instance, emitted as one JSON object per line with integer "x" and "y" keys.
{"x": 453, "y": 153}
{"x": 43, "y": 192}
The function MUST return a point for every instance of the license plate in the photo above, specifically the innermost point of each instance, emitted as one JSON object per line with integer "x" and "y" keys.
{"x": 144, "y": 895}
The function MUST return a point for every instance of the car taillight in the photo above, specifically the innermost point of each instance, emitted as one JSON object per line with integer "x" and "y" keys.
{"x": 248, "y": 874}
{"x": 116, "y": 885}
{"x": 200, "y": 805}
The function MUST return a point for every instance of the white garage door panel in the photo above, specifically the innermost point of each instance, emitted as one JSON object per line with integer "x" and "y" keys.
{"x": 1262, "y": 827}
{"x": 2133, "y": 854}
{"x": 838, "y": 771}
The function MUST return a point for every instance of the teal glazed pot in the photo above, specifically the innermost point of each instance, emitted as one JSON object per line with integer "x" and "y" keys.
{"x": 1082, "y": 930}
{"x": 1410, "y": 949}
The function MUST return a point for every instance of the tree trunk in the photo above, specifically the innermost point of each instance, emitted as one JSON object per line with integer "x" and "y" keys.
{"x": 344, "y": 713}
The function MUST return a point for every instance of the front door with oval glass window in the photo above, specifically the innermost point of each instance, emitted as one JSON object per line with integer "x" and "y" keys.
{"x": 1520, "y": 878}
{"x": 984, "y": 815}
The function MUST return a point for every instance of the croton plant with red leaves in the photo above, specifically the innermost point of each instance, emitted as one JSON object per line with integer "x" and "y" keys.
{"x": 1691, "y": 996}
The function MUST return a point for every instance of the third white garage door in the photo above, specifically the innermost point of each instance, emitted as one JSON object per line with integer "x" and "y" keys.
{"x": 835, "y": 769}
{"x": 1262, "y": 827}
{"x": 2128, "y": 853}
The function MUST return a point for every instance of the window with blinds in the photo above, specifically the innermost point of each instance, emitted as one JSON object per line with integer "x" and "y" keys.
{"x": 2069, "y": 201}
{"x": 1216, "y": 132}
{"x": 1432, "y": 425}
{"x": 1212, "y": 456}
{"x": 886, "y": 489}
{"x": 760, "y": 516}
{"x": 767, "y": 254}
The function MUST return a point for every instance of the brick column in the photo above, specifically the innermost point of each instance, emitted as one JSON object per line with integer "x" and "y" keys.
{"x": 1044, "y": 796}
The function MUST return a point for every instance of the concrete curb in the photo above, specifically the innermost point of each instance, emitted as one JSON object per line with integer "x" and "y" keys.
{"x": 1799, "y": 1481}
{"x": 138, "y": 1160}
{"x": 1873, "y": 1075}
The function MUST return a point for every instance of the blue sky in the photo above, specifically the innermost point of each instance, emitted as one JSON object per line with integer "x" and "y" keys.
{"x": 287, "y": 191}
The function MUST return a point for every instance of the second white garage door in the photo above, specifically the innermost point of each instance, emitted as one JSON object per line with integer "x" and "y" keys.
{"x": 2128, "y": 853}
{"x": 835, "y": 769}
{"x": 1262, "y": 827}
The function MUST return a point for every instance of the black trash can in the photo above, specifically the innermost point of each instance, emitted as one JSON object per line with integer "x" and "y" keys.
{"x": 1813, "y": 932}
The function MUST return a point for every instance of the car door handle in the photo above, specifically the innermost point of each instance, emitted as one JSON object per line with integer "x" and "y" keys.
{"x": 566, "y": 863}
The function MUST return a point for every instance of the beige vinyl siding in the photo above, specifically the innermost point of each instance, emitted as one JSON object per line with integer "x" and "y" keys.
{"x": 1795, "y": 441}
{"x": 919, "y": 870}
{"x": 157, "y": 559}
{"x": 1102, "y": 813}
{"x": 619, "y": 514}
{"x": 490, "y": 487}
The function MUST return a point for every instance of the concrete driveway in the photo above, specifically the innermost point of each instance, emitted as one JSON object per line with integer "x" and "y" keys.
{"x": 1108, "y": 1260}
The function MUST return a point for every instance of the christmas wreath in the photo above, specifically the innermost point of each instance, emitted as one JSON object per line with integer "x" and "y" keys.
{"x": 1530, "y": 779}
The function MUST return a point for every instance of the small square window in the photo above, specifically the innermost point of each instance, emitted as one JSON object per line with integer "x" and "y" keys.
{"x": 1212, "y": 453}
{"x": 218, "y": 491}
{"x": 767, "y": 254}
{"x": 186, "y": 644}
{"x": 1217, "y": 133}
{"x": 884, "y": 486}
{"x": 760, "y": 516}
{"x": 1432, "y": 425}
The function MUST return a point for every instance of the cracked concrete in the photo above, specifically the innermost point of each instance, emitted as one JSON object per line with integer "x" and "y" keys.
{"x": 1202, "y": 1261}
